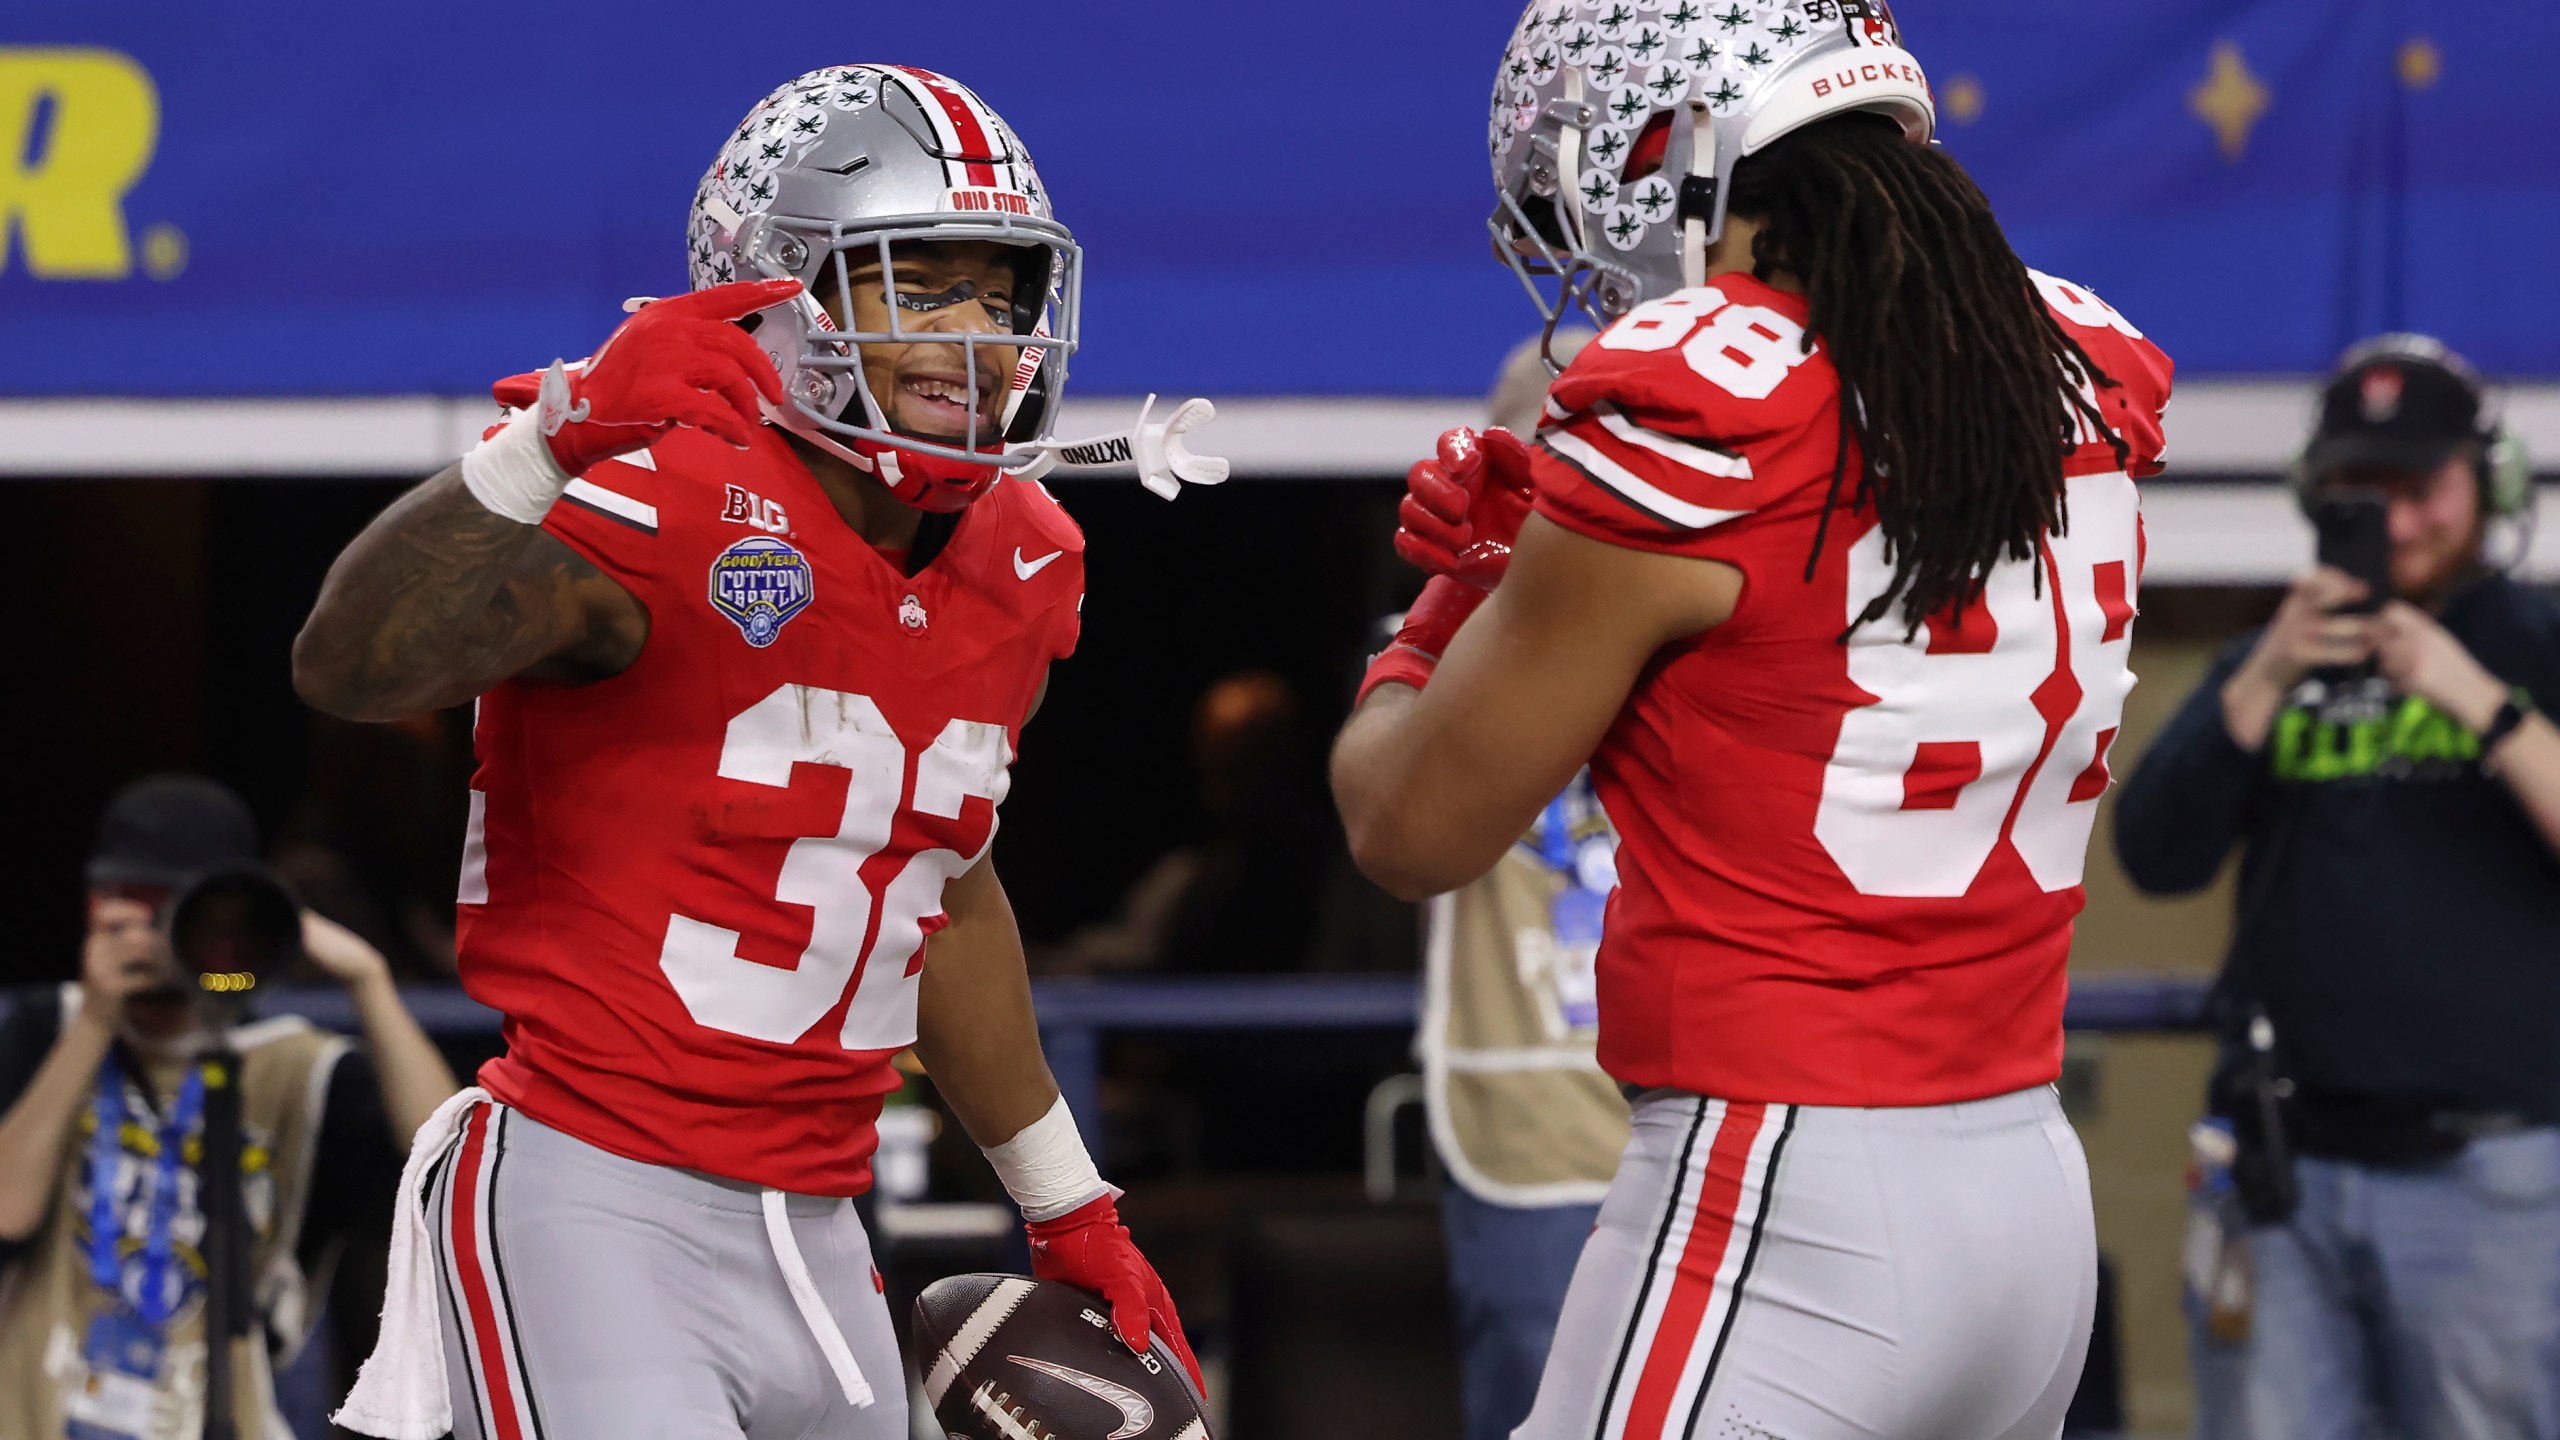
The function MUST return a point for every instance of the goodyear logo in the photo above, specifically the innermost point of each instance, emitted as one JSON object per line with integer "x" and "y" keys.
{"x": 78, "y": 126}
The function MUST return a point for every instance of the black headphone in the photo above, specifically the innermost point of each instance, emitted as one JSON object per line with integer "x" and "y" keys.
{"x": 2504, "y": 469}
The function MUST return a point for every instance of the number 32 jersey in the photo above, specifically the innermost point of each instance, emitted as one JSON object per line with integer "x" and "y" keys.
{"x": 1848, "y": 872}
{"x": 699, "y": 891}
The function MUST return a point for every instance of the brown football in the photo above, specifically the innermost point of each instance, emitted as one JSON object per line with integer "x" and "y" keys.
{"x": 1009, "y": 1358}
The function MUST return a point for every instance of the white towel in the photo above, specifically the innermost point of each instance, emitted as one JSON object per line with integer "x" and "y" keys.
{"x": 400, "y": 1394}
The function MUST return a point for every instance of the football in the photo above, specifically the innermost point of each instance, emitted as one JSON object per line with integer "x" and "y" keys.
{"x": 1009, "y": 1358}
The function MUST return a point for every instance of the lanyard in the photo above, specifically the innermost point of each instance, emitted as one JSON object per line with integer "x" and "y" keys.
{"x": 106, "y": 1217}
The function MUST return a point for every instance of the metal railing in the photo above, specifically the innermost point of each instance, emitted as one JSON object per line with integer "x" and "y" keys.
{"x": 1076, "y": 1013}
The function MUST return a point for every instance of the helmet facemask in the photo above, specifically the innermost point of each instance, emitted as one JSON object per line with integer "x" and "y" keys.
{"x": 835, "y": 172}
{"x": 1010, "y": 385}
{"x": 1540, "y": 228}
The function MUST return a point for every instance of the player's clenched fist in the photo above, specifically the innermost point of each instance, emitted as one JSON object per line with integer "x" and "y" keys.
{"x": 1462, "y": 510}
{"x": 682, "y": 361}
{"x": 1463, "y": 507}
{"x": 677, "y": 362}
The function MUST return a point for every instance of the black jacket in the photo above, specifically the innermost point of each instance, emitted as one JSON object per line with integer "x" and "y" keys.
{"x": 2399, "y": 913}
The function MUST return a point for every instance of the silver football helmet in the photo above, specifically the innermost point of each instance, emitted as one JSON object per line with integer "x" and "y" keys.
{"x": 847, "y": 162}
{"x": 1617, "y": 124}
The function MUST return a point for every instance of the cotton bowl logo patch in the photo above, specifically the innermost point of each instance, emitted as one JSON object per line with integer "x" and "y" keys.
{"x": 760, "y": 583}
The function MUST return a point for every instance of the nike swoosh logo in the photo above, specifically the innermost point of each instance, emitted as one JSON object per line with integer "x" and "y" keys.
{"x": 1025, "y": 569}
{"x": 1135, "y": 1413}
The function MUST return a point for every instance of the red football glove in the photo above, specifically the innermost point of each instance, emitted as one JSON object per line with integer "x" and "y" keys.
{"x": 680, "y": 361}
{"x": 1090, "y": 1248}
{"x": 1462, "y": 508}
{"x": 1443, "y": 606}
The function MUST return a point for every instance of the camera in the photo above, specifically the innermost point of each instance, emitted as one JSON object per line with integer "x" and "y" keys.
{"x": 234, "y": 925}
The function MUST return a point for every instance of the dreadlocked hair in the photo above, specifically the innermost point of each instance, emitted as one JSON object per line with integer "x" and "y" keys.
{"x": 1960, "y": 390}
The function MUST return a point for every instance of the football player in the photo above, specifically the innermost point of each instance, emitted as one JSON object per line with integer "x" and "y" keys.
{"x": 754, "y": 612}
{"x": 1827, "y": 569}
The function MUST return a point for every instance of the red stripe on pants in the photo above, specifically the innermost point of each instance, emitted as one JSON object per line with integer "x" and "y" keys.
{"x": 1710, "y": 1235}
{"x": 475, "y": 1287}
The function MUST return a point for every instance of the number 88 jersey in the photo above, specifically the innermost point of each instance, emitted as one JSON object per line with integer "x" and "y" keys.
{"x": 1848, "y": 872}
{"x": 699, "y": 891}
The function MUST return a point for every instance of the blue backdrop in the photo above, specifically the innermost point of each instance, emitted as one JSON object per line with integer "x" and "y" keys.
{"x": 403, "y": 198}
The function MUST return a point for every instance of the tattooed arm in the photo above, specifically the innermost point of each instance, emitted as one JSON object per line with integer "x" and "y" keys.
{"x": 457, "y": 586}
{"x": 440, "y": 599}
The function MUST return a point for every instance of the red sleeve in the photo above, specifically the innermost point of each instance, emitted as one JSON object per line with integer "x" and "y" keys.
{"x": 2143, "y": 373}
{"x": 1666, "y": 446}
{"x": 1066, "y": 620}
{"x": 610, "y": 516}
{"x": 1605, "y": 476}
{"x": 2136, "y": 404}
{"x": 1061, "y": 591}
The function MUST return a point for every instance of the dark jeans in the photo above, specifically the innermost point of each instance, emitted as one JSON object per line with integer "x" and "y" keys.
{"x": 1508, "y": 1268}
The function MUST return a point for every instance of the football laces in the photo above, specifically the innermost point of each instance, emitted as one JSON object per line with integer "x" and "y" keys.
{"x": 1006, "y": 1416}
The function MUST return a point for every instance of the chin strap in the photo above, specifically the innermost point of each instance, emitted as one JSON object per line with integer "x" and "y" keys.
{"x": 1693, "y": 226}
{"x": 789, "y": 418}
{"x": 1569, "y": 162}
{"x": 1165, "y": 464}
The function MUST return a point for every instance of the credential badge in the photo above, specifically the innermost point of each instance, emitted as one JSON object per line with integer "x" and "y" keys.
{"x": 760, "y": 583}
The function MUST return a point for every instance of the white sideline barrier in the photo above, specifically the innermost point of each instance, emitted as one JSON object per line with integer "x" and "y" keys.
{"x": 2252, "y": 534}
{"x": 2201, "y": 533}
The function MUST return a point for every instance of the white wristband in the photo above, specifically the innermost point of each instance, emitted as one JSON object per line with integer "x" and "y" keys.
{"x": 1046, "y": 1169}
{"x": 512, "y": 472}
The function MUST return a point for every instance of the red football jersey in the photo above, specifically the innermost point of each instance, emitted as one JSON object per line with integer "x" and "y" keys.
{"x": 698, "y": 891}
{"x": 1847, "y": 872}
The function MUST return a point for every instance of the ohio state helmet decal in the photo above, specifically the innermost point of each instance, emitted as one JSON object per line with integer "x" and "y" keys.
{"x": 830, "y": 172}
{"x": 1614, "y": 126}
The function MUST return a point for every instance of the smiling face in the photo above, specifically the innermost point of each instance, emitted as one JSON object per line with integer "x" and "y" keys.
{"x": 943, "y": 287}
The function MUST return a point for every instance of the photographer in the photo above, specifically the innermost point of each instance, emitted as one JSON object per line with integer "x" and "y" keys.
{"x": 2391, "y": 1002}
{"x": 104, "y": 1084}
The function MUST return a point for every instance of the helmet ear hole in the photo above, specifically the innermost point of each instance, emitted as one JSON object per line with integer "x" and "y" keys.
{"x": 1033, "y": 268}
{"x": 1544, "y": 221}
{"x": 1645, "y": 154}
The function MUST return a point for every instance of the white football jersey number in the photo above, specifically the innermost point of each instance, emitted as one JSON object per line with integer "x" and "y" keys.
{"x": 1745, "y": 350}
{"x": 803, "y": 724}
{"x": 2081, "y": 307}
{"x": 1889, "y": 815}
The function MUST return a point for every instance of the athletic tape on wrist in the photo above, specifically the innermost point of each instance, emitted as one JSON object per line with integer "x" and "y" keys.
{"x": 512, "y": 472}
{"x": 1046, "y": 1168}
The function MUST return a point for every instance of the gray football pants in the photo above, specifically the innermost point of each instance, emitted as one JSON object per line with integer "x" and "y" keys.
{"x": 586, "y": 1295}
{"x": 1802, "y": 1272}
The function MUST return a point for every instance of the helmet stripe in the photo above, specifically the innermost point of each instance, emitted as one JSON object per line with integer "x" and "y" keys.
{"x": 945, "y": 138}
{"x": 971, "y": 135}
